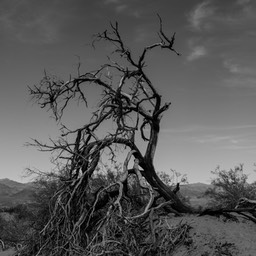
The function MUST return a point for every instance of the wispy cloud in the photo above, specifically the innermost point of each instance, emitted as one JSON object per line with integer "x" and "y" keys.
{"x": 234, "y": 141}
{"x": 240, "y": 127}
{"x": 112, "y": 1}
{"x": 197, "y": 53}
{"x": 237, "y": 137}
{"x": 198, "y": 15}
{"x": 240, "y": 82}
{"x": 221, "y": 15}
{"x": 216, "y": 139}
{"x": 201, "y": 129}
{"x": 240, "y": 147}
{"x": 241, "y": 75}
{"x": 243, "y": 2}
{"x": 237, "y": 68}
{"x": 122, "y": 6}
{"x": 28, "y": 24}
{"x": 223, "y": 27}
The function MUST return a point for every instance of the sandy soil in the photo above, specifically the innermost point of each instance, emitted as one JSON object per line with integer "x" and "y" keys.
{"x": 9, "y": 252}
{"x": 212, "y": 236}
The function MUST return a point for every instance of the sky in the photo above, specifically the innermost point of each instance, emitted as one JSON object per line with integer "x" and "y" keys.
{"x": 212, "y": 85}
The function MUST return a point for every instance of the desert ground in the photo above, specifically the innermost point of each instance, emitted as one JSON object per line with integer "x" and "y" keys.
{"x": 9, "y": 252}
{"x": 207, "y": 235}
{"x": 210, "y": 236}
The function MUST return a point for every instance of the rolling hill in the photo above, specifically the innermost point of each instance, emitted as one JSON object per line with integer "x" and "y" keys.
{"x": 194, "y": 189}
{"x": 13, "y": 192}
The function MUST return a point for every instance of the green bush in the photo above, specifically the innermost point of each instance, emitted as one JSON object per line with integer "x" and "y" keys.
{"x": 13, "y": 230}
{"x": 40, "y": 211}
{"x": 230, "y": 186}
{"x": 22, "y": 223}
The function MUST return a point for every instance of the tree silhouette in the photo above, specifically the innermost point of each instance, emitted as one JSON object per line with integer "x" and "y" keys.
{"x": 134, "y": 108}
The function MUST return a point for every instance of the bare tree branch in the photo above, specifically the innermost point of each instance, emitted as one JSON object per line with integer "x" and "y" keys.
{"x": 127, "y": 115}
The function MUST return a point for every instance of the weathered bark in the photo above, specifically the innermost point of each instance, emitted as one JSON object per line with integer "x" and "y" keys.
{"x": 165, "y": 191}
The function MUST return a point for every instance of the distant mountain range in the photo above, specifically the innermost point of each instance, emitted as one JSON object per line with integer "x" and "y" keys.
{"x": 194, "y": 189}
{"x": 13, "y": 192}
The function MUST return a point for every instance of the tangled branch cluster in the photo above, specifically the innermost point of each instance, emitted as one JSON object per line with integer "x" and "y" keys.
{"x": 83, "y": 213}
{"x": 90, "y": 222}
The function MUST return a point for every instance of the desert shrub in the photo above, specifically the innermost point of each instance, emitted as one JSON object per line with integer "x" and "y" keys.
{"x": 40, "y": 211}
{"x": 230, "y": 186}
{"x": 47, "y": 189}
{"x": 19, "y": 211}
{"x": 173, "y": 178}
{"x": 44, "y": 199}
{"x": 15, "y": 225}
{"x": 13, "y": 230}
{"x": 116, "y": 233}
{"x": 22, "y": 223}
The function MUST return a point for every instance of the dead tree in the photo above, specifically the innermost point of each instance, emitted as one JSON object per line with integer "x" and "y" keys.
{"x": 134, "y": 107}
